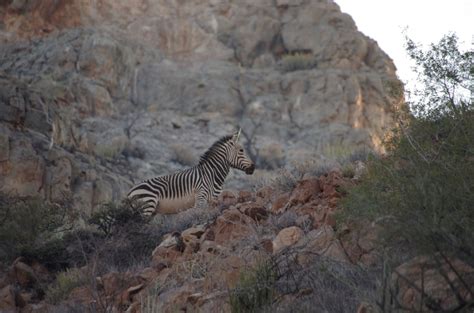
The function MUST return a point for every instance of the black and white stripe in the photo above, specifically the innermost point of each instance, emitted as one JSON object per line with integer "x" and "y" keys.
{"x": 202, "y": 182}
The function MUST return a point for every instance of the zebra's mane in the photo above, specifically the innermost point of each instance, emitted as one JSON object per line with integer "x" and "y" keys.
{"x": 211, "y": 151}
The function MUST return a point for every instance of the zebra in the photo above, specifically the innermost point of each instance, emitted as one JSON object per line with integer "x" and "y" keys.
{"x": 196, "y": 186}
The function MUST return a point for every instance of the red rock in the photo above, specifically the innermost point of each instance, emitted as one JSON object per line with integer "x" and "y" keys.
{"x": 426, "y": 271}
{"x": 254, "y": 210}
{"x": 226, "y": 272}
{"x": 135, "y": 307}
{"x": 164, "y": 257}
{"x": 365, "y": 308}
{"x": 126, "y": 298}
{"x": 211, "y": 247}
{"x": 279, "y": 205}
{"x": 232, "y": 225}
{"x": 360, "y": 241}
{"x": 113, "y": 282}
{"x": 7, "y": 300}
{"x": 81, "y": 294}
{"x": 287, "y": 237}
{"x": 227, "y": 199}
{"x": 199, "y": 299}
{"x": 330, "y": 219}
{"x": 209, "y": 235}
{"x": 148, "y": 274}
{"x": 322, "y": 241}
{"x": 41, "y": 271}
{"x": 23, "y": 274}
{"x": 245, "y": 196}
{"x": 267, "y": 245}
{"x": 23, "y": 298}
{"x": 191, "y": 238}
{"x": 369, "y": 259}
{"x": 305, "y": 190}
{"x": 304, "y": 222}
{"x": 329, "y": 191}
{"x": 265, "y": 194}
{"x": 41, "y": 307}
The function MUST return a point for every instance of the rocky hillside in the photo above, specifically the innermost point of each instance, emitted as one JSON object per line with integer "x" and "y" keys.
{"x": 97, "y": 94}
{"x": 275, "y": 250}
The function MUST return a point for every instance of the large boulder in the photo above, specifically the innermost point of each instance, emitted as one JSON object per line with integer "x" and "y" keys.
{"x": 438, "y": 282}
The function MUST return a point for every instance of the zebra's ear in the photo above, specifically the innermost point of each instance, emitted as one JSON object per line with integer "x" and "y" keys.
{"x": 235, "y": 137}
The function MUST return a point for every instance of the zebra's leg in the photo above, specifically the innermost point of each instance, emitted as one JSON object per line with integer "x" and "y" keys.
{"x": 200, "y": 201}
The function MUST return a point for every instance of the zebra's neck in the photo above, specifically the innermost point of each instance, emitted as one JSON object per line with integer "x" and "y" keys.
{"x": 216, "y": 169}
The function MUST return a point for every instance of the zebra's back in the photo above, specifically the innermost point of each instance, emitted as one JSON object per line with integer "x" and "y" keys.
{"x": 167, "y": 194}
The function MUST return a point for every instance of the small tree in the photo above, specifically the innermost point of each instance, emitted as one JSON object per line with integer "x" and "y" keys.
{"x": 422, "y": 191}
{"x": 446, "y": 76}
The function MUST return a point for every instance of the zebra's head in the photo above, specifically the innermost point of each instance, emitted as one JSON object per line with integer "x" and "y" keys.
{"x": 237, "y": 157}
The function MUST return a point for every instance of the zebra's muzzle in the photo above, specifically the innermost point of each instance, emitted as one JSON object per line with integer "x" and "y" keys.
{"x": 249, "y": 170}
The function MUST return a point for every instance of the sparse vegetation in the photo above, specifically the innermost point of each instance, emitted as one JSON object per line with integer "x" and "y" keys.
{"x": 65, "y": 282}
{"x": 348, "y": 170}
{"x": 271, "y": 157}
{"x": 284, "y": 180}
{"x": 183, "y": 155}
{"x": 111, "y": 149}
{"x": 149, "y": 303}
{"x": 321, "y": 284}
{"x": 112, "y": 216}
{"x": 393, "y": 87}
{"x": 297, "y": 61}
{"x": 286, "y": 219}
{"x": 255, "y": 288}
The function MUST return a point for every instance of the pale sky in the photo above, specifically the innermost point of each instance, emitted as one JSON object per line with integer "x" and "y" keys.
{"x": 426, "y": 22}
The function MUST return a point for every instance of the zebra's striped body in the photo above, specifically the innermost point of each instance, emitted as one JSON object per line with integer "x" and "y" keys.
{"x": 196, "y": 186}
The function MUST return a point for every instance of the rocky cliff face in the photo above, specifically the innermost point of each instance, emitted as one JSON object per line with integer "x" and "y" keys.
{"x": 97, "y": 94}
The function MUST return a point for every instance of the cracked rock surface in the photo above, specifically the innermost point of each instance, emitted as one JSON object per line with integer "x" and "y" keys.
{"x": 96, "y": 95}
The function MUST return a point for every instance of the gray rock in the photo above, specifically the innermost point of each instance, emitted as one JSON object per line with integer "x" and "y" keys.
{"x": 104, "y": 97}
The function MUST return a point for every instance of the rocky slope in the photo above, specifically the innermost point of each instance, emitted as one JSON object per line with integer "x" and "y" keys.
{"x": 97, "y": 94}
{"x": 278, "y": 249}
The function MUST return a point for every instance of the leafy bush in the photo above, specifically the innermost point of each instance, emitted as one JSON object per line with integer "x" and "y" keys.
{"x": 255, "y": 289}
{"x": 423, "y": 189}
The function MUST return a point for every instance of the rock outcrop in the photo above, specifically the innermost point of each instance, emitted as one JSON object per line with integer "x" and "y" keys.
{"x": 95, "y": 95}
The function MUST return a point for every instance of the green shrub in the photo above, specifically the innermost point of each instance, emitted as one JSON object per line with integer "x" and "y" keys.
{"x": 27, "y": 223}
{"x": 254, "y": 290}
{"x": 65, "y": 282}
